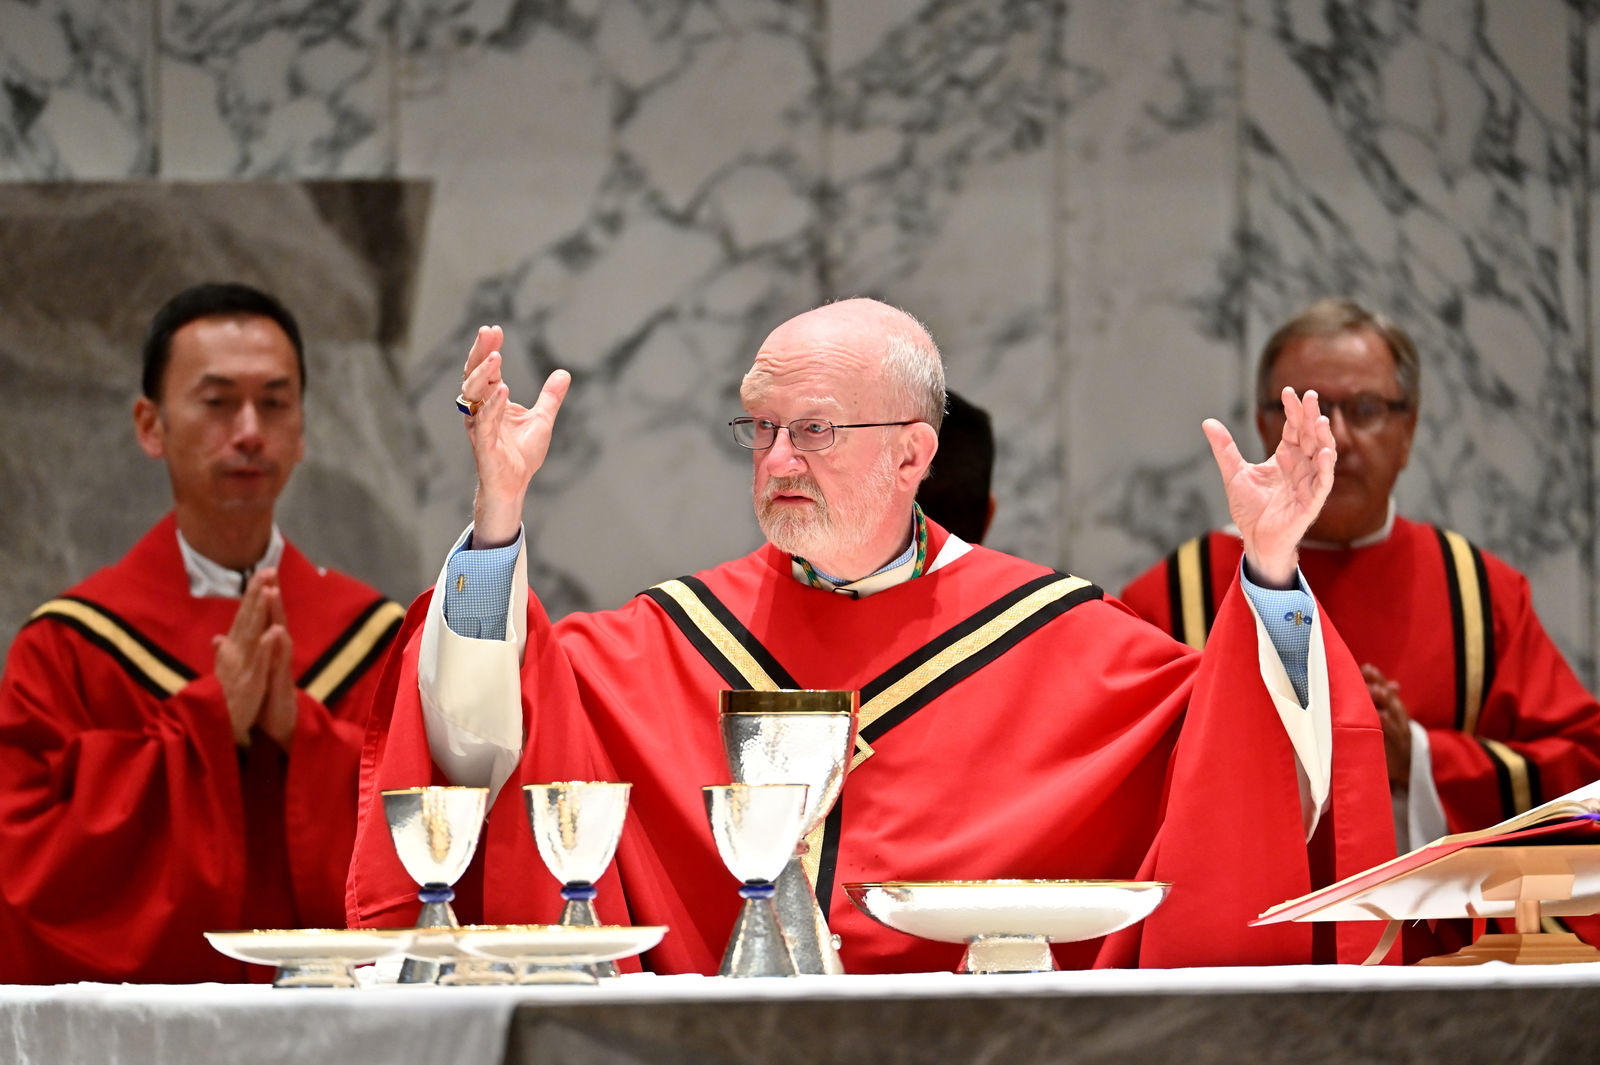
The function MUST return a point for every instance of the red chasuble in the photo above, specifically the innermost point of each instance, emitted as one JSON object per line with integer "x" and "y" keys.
{"x": 1015, "y": 723}
{"x": 129, "y": 821}
{"x": 1509, "y": 725}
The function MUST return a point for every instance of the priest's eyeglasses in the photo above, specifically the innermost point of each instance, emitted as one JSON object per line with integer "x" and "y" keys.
{"x": 1364, "y": 411}
{"x": 805, "y": 434}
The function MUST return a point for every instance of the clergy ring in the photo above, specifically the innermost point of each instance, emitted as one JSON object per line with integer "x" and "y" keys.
{"x": 466, "y": 406}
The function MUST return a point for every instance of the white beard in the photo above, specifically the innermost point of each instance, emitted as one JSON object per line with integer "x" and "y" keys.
{"x": 825, "y": 530}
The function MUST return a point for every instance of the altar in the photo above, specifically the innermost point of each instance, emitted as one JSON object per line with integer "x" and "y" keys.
{"x": 1302, "y": 1014}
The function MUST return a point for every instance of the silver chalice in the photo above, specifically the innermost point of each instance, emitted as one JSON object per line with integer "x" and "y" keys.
{"x": 795, "y": 737}
{"x": 435, "y": 831}
{"x": 577, "y": 825}
{"x": 755, "y": 827}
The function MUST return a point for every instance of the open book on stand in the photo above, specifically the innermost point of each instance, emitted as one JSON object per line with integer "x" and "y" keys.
{"x": 1544, "y": 862}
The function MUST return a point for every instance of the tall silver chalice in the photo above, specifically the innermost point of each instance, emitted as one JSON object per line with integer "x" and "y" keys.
{"x": 755, "y": 827}
{"x": 577, "y": 825}
{"x": 435, "y": 831}
{"x": 795, "y": 737}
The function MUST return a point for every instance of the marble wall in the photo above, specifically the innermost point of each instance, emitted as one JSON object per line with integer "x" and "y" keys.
{"x": 1100, "y": 208}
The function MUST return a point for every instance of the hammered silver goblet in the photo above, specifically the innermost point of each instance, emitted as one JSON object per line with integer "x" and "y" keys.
{"x": 755, "y": 827}
{"x": 577, "y": 825}
{"x": 435, "y": 832}
{"x": 795, "y": 737}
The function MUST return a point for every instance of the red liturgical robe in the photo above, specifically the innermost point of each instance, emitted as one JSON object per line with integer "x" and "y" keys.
{"x": 1019, "y": 725}
{"x": 130, "y": 823}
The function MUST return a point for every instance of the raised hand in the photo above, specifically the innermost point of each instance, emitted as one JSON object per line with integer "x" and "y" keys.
{"x": 243, "y": 659}
{"x": 1274, "y": 502}
{"x": 509, "y": 441}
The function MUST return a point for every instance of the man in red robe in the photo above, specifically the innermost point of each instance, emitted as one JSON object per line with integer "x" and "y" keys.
{"x": 1014, "y": 721}
{"x": 1482, "y": 716}
{"x": 180, "y": 733}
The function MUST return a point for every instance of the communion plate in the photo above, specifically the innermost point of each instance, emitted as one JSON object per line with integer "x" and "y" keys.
{"x": 555, "y": 943}
{"x": 357, "y": 946}
{"x": 957, "y": 911}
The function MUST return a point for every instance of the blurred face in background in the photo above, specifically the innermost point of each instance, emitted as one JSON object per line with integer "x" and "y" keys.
{"x": 228, "y": 422}
{"x": 1354, "y": 377}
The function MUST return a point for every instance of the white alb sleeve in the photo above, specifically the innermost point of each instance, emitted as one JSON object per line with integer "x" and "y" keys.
{"x": 472, "y": 689}
{"x": 1310, "y": 727}
{"x": 1425, "y": 820}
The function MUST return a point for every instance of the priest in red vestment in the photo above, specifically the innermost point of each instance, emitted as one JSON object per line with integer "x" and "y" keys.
{"x": 180, "y": 733}
{"x": 1015, "y": 722}
{"x": 1483, "y": 718}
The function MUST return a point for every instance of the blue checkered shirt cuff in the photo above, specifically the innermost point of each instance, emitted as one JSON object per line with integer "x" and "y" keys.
{"x": 477, "y": 591}
{"x": 1286, "y": 615}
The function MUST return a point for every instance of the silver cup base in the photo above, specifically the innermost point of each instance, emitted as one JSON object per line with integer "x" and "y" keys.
{"x": 1008, "y": 954}
{"x": 315, "y": 974}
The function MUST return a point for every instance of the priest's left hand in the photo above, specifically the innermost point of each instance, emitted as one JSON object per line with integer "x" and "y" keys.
{"x": 1274, "y": 502}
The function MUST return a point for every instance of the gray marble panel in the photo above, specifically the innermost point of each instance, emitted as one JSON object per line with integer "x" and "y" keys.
{"x": 1099, "y": 209}
{"x": 941, "y": 126}
{"x": 1425, "y": 159}
{"x": 89, "y": 265}
{"x": 78, "y": 102}
{"x": 630, "y": 190}
{"x": 293, "y": 89}
{"x": 1589, "y": 31}
{"x": 1147, "y": 199}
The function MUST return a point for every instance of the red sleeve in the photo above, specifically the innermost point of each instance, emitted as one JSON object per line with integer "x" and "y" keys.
{"x": 1546, "y": 724}
{"x": 121, "y": 841}
{"x": 1231, "y": 841}
{"x": 394, "y": 755}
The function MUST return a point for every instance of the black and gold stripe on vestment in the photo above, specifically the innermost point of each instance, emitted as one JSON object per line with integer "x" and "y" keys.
{"x": 1191, "y": 601}
{"x": 147, "y": 663}
{"x": 1472, "y": 623}
{"x": 886, "y": 701}
{"x": 347, "y": 658}
{"x": 733, "y": 650}
{"x": 163, "y": 674}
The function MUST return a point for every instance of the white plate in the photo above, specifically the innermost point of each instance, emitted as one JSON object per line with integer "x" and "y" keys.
{"x": 958, "y": 911}
{"x": 559, "y": 944}
{"x": 298, "y": 946}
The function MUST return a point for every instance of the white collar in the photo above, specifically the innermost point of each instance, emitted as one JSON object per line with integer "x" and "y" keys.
{"x": 892, "y": 575}
{"x": 212, "y": 579}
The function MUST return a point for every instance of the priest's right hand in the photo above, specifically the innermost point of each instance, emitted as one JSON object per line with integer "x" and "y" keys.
{"x": 244, "y": 659}
{"x": 509, "y": 441}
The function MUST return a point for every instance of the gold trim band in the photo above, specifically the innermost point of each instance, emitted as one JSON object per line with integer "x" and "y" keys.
{"x": 1516, "y": 767}
{"x": 718, "y": 634}
{"x": 1191, "y": 591}
{"x": 1466, "y": 575}
{"x": 354, "y": 652}
{"x": 964, "y": 648}
{"x": 163, "y": 676}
